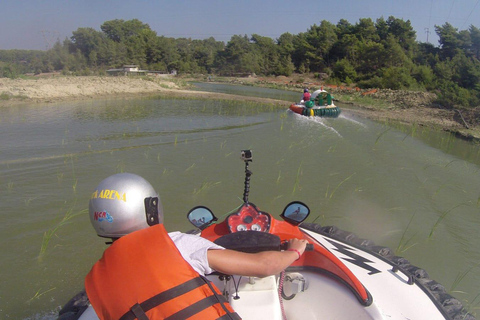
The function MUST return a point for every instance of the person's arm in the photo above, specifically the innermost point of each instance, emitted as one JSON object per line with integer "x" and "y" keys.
{"x": 260, "y": 264}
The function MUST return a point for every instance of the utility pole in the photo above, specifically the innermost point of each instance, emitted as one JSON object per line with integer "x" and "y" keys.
{"x": 49, "y": 38}
{"x": 427, "y": 31}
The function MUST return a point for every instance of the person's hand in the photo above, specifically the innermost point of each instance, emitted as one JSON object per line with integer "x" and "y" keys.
{"x": 297, "y": 244}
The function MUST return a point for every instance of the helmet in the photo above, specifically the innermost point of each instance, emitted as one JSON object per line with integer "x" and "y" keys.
{"x": 124, "y": 203}
{"x": 305, "y": 90}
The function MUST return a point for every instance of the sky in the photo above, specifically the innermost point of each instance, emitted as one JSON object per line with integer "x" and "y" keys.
{"x": 38, "y": 24}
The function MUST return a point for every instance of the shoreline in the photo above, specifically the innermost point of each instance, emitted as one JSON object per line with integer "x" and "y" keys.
{"x": 385, "y": 105}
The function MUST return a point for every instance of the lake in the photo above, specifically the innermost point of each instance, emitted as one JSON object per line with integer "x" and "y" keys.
{"x": 408, "y": 188}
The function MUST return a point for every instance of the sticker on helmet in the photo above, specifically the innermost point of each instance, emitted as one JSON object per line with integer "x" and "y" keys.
{"x": 109, "y": 194}
{"x": 102, "y": 216}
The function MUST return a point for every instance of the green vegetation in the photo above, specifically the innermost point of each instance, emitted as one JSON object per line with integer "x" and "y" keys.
{"x": 370, "y": 54}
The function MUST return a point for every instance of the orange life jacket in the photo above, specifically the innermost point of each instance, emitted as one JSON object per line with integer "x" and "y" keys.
{"x": 143, "y": 276}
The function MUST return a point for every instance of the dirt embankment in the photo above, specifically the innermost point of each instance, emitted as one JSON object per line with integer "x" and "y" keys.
{"x": 55, "y": 88}
{"x": 410, "y": 107}
{"x": 404, "y": 106}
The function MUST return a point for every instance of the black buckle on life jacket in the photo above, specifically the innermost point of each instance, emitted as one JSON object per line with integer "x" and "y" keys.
{"x": 177, "y": 292}
{"x": 138, "y": 312}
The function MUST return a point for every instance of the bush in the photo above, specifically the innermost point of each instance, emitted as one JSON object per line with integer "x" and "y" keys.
{"x": 397, "y": 78}
{"x": 451, "y": 94}
{"x": 9, "y": 71}
{"x": 424, "y": 76}
{"x": 374, "y": 82}
{"x": 4, "y": 96}
{"x": 343, "y": 70}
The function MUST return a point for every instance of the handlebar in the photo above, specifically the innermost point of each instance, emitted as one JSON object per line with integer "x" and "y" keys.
{"x": 284, "y": 246}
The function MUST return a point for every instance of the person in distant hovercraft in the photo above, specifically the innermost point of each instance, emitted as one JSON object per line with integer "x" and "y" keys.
{"x": 148, "y": 273}
{"x": 306, "y": 95}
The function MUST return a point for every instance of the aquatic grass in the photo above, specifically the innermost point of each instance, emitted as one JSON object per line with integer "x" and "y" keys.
{"x": 205, "y": 186}
{"x": 332, "y": 149}
{"x": 10, "y": 186}
{"x": 338, "y": 186}
{"x": 404, "y": 244}
{"x": 120, "y": 167}
{"x": 440, "y": 219}
{"x": 279, "y": 178}
{"x": 381, "y": 134}
{"x": 38, "y": 294}
{"x": 474, "y": 306}
{"x": 146, "y": 153}
{"x": 75, "y": 180}
{"x": 190, "y": 168}
{"x": 297, "y": 179}
{"x": 444, "y": 186}
{"x": 47, "y": 236}
{"x": 396, "y": 208}
{"x": 471, "y": 305}
{"x": 460, "y": 277}
{"x": 412, "y": 132}
{"x": 27, "y": 201}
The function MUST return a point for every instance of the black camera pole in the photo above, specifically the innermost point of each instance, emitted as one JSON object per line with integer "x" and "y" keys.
{"x": 248, "y": 173}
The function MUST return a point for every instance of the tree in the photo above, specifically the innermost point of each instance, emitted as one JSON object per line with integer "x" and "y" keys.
{"x": 448, "y": 39}
{"x": 346, "y": 47}
{"x": 285, "y": 51}
{"x": 321, "y": 39}
{"x": 267, "y": 55}
{"x": 370, "y": 58}
{"x": 394, "y": 54}
{"x": 403, "y": 32}
{"x": 238, "y": 56}
{"x": 344, "y": 28}
{"x": 475, "y": 41}
{"x": 87, "y": 40}
{"x": 365, "y": 30}
{"x": 382, "y": 28}
{"x": 344, "y": 71}
{"x": 299, "y": 55}
{"x": 119, "y": 30}
{"x": 466, "y": 71}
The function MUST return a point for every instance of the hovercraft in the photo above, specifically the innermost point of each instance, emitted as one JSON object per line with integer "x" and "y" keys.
{"x": 320, "y": 105}
{"x": 339, "y": 276}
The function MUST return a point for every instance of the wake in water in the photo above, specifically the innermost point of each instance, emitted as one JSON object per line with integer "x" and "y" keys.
{"x": 322, "y": 123}
{"x": 318, "y": 120}
{"x": 353, "y": 121}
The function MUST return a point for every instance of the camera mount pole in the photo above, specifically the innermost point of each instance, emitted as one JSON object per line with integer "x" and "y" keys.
{"x": 248, "y": 173}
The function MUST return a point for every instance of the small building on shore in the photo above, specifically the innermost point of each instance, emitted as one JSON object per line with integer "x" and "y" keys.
{"x": 132, "y": 70}
{"x": 129, "y": 69}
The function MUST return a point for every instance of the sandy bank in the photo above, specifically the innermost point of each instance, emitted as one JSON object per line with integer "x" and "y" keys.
{"x": 58, "y": 88}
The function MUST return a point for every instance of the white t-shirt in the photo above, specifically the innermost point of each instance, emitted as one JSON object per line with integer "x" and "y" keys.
{"x": 194, "y": 250}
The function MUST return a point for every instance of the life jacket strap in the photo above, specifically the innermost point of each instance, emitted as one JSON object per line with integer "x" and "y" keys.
{"x": 138, "y": 312}
{"x": 199, "y": 306}
{"x": 139, "y": 309}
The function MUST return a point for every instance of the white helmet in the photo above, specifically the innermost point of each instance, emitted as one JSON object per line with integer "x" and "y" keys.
{"x": 124, "y": 203}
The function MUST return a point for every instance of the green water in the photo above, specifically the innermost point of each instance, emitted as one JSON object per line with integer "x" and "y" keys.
{"x": 414, "y": 191}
